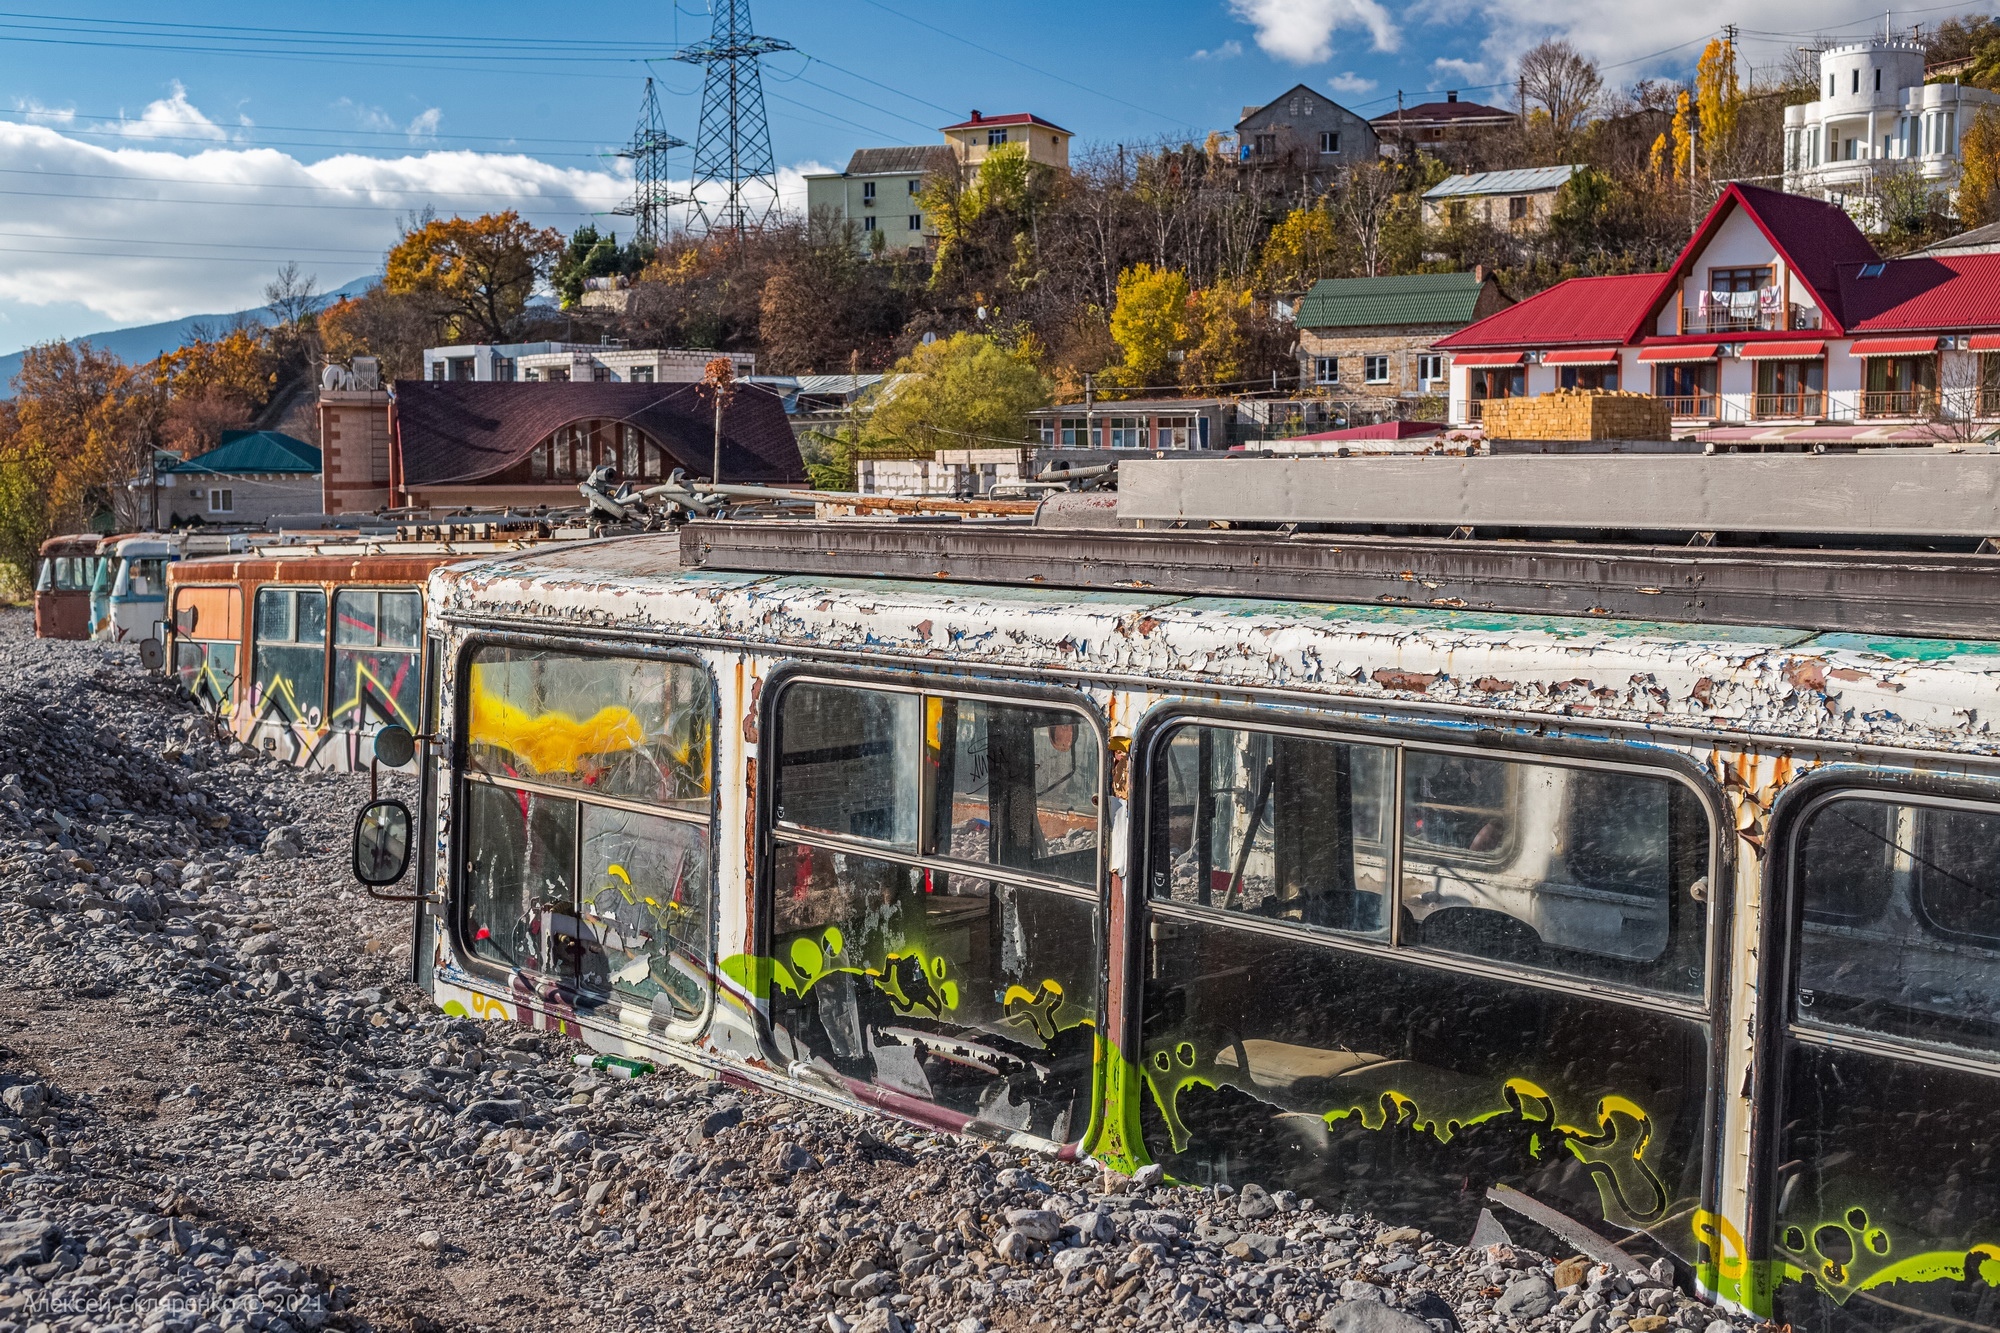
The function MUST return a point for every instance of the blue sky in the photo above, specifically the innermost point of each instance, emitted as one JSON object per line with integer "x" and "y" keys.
{"x": 158, "y": 161}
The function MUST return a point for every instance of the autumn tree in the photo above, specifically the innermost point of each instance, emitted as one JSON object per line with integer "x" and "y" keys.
{"x": 1149, "y": 324}
{"x": 1718, "y": 99}
{"x": 213, "y": 383}
{"x": 825, "y": 307}
{"x": 482, "y": 270}
{"x": 77, "y": 432}
{"x": 1979, "y": 181}
{"x": 1306, "y": 246}
{"x": 968, "y": 391}
{"x": 394, "y": 328}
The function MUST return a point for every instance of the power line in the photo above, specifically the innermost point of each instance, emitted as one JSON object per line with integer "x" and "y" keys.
{"x": 733, "y": 144}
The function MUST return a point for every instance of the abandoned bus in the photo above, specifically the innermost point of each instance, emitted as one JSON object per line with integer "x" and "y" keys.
{"x": 63, "y": 580}
{"x": 1686, "y": 935}
{"x": 308, "y": 649}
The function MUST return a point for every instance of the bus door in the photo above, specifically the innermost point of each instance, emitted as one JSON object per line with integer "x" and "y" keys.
{"x": 208, "y": 636}
{"x": 1883, "y": 1179}
{"x": 931, "y": 891}
{"x": 433, "y": 760}
{"x": 1525, "y": 1008}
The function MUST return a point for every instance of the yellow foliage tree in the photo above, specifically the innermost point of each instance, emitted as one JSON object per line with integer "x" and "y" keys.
{"x": 75, "y": 434}
{"x": 1979, "y": 181}
{"x": 1657, "y": 162}
{"x": 1001, "y": 185}
{"x": 1717, "y": 95}
{"x": 1302, "y": 249}
{"x": 1222, "y": 344}
{"x": 1683, "y": 132}
{"x": 236, "y": 365}
{"x": 1149, "y": 323}
{"x": 482, "y": 269}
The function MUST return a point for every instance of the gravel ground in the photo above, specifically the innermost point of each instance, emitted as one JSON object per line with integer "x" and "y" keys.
{"x": 221, "y": 1107}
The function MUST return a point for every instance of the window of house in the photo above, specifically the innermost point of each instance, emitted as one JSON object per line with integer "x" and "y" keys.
{"x": 221, "y": 500}
{"x": 1430, "y": 368}
{"x": 288, "y": 655}
{"x": 1374, "y": 370}
{"x": 914, "y": 186}
{"x": 1326, "y": 370}
{"x": 1127, "y": 432}
{"x": 1878, "y": 80}
{"x": 916, "y": 222}
{"x": 586, "y": 846}
{"x": 1517, "y": 207}
{"x": 994, "y": 138}
{"x": 1856, "y": 86}
{"x": 1590, "y": 377}
{"x": 642, "y": 374}
{"x": 868, "y": 223}
{"x": 1174, "y": 432}
{"x": 558, "y": 375}
{"x": 1505, "y": 382}
{"x": 1329, "y": 141}
{"x": 1739, "y": 279}
{"x": 437, "y": 371}
{"x": 1267, "y": 145}
{"x": 600, "y": 374}
{"x": 377, "y": 641}
{"x": 1066, "y": 432}
{"x": 868, "y": 190}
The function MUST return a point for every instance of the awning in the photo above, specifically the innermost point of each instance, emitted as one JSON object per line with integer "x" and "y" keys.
{"x": 1985, "y": 342}
{"x": 1596, "y": 356}
{"x": 1893, "y": 346}
{"x": 1688, "y": 352}
{"x": 1478, "y": 359}
{"x": 1805, "y": 351}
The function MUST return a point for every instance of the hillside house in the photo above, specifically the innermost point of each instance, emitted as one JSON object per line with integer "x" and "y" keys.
{"x": 1371, "y": 338}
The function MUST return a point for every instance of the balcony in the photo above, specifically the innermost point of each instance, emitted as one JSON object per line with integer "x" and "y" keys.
{"x": 1899, "y": 403}
{"x": 1726, "y": 319}
{"x": 1809, "y": 404}
{"x": 1694, "y": 406}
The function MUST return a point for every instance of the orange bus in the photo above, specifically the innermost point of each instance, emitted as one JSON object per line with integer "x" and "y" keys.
{"x": 63, "y": 581}
{"x": 306, "y": 651}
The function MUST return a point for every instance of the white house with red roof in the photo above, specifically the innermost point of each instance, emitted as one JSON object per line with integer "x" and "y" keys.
{"x": 1777, "y": 313}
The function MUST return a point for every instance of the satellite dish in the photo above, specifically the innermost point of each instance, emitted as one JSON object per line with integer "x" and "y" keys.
{"x": 929, "y": 338}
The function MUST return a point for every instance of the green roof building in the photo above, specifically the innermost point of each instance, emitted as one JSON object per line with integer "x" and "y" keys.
{"x": 251, "y": 476}
{"x": 1368, "y": 340}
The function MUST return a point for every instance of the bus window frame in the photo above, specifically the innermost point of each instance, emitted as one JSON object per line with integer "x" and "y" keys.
{"x": 334, "y": 589}
{"x": 461, "y": 776}
{"x": 257, "y": 591}
{"x": 1780, "y": 921}
{"x": 995, "y": 687}
{"x": 1398, "y": 735}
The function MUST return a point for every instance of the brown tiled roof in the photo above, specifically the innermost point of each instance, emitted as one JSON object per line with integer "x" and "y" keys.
{"x": 458, "y": 431}
{"x": 1433, "y": 113}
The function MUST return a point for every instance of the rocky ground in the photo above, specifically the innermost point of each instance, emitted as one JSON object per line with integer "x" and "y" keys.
{"x": 223, "y": 1107}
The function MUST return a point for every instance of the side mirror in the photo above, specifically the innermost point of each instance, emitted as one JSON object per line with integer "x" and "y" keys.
{"x": 382, "y": 843}
{"x": 152, "y": 654}
{"x": 395, "y": 746}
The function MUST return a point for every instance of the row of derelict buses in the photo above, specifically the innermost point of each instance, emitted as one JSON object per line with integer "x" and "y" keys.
{"x": 1682, "y": 933}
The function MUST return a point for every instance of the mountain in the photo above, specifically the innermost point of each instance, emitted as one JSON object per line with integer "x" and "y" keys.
{"x": 149, "y": 340}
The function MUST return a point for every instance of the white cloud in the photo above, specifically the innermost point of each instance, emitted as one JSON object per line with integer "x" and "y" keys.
{"x": 173, "y": 117}
{"x": 95, "y": 237}
{"x": 1301, "y": 31}
{"x": 1466, "y": 71}
{"x": 1628, "y": 39}
{"x": 1351, "y": 83}
{"x": 424, "y": 125}
{"x": 34, "y": 111}
{"x": 1229, "y": 50}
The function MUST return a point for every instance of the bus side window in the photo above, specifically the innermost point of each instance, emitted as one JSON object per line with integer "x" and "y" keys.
{"x": 1275, "y": 825}
{"x": 1586, "y": 871}
{"x": 1924, "y": 962}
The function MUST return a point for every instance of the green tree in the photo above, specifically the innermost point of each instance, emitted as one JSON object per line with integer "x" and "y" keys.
{"x": 1149, "y": 324}
{"x": 963, "y": 392}
{"x": 1305, "y": 247}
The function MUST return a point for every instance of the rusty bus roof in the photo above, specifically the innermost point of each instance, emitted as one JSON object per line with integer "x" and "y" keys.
{"x": 1824, "y": 686}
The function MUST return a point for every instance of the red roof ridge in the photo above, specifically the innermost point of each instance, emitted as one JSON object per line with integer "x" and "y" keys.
{"x": 1606, "y": 308}
{"x": 1011, "y": 118}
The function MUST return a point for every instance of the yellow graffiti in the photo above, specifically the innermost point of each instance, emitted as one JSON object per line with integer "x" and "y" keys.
{"x": 1041, "y": 1006}
{"x": 1724, "y": 1241}
{"x": 551, "y": 742}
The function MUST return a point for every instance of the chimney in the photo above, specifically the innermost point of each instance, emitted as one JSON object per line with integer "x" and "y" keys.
{"x": 1479, "y": 274}
{"x": 1451, "y": 96}
{"x": 975, "y": 116}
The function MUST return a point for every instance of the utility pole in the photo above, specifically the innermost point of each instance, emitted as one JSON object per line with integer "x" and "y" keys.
{"x": 1089, "y": 412}
{"x": 733, "y": 145}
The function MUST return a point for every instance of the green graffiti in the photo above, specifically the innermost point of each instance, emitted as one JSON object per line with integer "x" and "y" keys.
{"x": 1611, "y": 1145}
{"x": 1848, "y": 1253}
